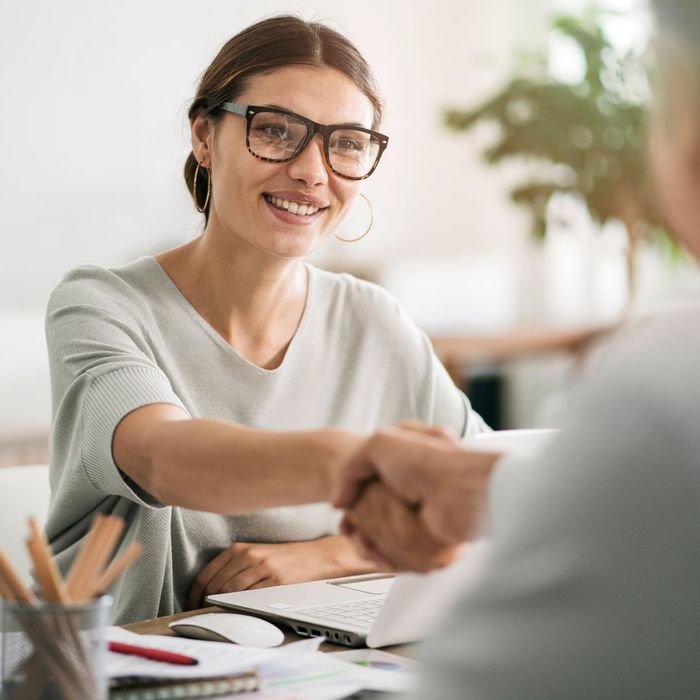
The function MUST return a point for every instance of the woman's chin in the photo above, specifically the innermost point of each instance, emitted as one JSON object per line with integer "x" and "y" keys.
{"x": 293, "y": 246}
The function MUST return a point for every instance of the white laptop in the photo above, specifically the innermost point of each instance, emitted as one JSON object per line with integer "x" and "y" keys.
{"x": 374, "y": 610}
{"x": 379, "y": 609}
{"x": 519, "y": 443}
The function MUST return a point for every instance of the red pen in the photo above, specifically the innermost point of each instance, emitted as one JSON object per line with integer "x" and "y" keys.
{"x": 168, "y": 657}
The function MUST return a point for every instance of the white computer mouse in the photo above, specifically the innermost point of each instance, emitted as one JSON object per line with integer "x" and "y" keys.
{"x": 228, "y": 627}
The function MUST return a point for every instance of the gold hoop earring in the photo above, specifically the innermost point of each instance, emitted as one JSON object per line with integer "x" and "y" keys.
{"x": 203, "y": 208}
{"x": 371, "y": 221}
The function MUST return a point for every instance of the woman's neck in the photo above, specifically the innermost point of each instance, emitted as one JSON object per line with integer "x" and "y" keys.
{"x": 253, "y": 301}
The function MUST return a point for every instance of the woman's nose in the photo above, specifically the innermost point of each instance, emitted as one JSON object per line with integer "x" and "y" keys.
{"x": 310, "y": 165}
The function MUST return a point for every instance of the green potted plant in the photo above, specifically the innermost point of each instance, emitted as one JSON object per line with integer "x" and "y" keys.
{"x": 585, "y": 139}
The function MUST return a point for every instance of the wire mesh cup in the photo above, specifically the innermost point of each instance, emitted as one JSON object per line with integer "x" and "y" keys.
{"x": 54, "y": 651}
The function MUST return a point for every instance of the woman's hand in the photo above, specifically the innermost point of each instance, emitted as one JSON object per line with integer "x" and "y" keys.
{"x": 243, "y": 566}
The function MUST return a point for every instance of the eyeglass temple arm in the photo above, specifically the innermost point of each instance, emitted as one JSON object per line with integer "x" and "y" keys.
{"x": 235, "y": 108}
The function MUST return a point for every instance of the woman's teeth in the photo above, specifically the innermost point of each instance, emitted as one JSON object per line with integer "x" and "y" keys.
{"x": 292, "y": 207}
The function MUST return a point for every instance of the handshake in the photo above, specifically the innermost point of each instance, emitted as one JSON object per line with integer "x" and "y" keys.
{"x": 412, "y": 495}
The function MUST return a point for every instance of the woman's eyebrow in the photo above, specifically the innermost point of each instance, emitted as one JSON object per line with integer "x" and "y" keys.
{"x": 362, "y": 126}
{"x": 287, "y": 109}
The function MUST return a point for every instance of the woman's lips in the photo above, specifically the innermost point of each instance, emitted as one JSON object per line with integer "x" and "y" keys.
{"x": 285, "y": 198}
{"x": 289, "y": 217}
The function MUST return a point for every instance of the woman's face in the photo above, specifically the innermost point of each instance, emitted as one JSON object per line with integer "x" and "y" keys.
{"x": 247, "y": 193}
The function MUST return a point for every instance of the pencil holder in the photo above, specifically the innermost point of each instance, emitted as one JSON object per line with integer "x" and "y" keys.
{"x": 54, "y": 651}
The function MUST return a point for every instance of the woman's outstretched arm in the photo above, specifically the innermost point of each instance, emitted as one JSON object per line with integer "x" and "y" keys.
{"x": 223, "y": 467}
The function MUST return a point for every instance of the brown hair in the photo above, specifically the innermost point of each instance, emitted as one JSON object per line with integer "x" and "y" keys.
{"x": 276, "y": 42}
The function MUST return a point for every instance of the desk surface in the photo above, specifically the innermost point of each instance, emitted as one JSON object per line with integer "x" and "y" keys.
{"x": 159, "y": 625}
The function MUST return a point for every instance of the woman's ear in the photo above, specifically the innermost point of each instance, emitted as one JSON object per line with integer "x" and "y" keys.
{"x": 201, "y": 139}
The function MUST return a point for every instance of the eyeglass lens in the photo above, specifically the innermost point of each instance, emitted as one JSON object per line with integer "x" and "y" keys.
{"x": 277, "y": 136}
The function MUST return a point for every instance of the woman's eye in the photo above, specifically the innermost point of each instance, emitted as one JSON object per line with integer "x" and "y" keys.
{"x": 347, "y": 145}
{"x": 274, "y": 131}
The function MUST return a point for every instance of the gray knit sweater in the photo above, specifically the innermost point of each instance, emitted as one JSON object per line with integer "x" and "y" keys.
{"x": 126, "y": 337}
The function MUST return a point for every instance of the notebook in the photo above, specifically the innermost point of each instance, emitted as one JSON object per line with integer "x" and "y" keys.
{"x": 206, "y": 687}
{"x": 222, "y": 669}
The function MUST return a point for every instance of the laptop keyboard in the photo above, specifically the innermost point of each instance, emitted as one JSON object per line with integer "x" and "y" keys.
{"x": 358, "y": 613}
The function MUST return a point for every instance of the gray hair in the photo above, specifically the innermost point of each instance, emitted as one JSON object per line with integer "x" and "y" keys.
{"x": 680, "y": 19}
{"x": 677, "y": 58}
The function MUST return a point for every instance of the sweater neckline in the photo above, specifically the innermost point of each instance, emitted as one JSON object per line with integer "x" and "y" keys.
{"x": 185, "y": 304}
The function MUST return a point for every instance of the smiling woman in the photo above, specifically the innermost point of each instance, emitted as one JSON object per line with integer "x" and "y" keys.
{"x": 209, "y": 394}
{"x": 296, "y": 162}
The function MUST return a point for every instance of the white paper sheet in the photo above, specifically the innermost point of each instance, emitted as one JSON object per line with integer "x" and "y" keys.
{"x": 215, "y": 658}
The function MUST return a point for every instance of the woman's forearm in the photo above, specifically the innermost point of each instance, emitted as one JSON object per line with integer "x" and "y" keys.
{"x": 222, "y": 467}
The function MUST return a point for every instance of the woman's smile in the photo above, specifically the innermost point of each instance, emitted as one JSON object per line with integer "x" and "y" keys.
{"x": 295, "y": 207}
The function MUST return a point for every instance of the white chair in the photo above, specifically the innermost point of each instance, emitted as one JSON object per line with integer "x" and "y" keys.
{"x": 24, "y": 491}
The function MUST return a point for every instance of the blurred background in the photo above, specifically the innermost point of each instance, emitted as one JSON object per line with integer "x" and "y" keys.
{"x": 94, "y": 136}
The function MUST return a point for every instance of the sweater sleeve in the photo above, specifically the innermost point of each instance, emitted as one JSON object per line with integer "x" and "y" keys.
{"x": 102, "y": 368}
{"x": 441, "y": 402}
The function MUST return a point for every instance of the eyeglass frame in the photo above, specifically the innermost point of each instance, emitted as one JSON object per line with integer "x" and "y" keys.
{"x": 313, "y": 128}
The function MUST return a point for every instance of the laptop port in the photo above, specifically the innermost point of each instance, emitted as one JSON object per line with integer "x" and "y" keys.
{"x": 315, "y": 633}
{"x": 302, "y": 630}
{"x": 346, "y": 638}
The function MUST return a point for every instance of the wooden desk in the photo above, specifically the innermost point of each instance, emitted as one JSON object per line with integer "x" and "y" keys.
{"x": 22, "y": 447}
{"x": 159, "y": 625}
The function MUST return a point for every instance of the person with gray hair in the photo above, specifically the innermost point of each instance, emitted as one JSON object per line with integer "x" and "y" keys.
{"x": 591, "y": 588}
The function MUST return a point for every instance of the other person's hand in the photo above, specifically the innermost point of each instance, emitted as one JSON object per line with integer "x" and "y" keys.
{"x": 385, "y": 529}
{"x": 445, "y": 483}
{"x": 243, "y": 566}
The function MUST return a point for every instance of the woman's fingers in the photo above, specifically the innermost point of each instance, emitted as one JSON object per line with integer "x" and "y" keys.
{"x": 245, "y": 579}
{"x": 220, "y": 569}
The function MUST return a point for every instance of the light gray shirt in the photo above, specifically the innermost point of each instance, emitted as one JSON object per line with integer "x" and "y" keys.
{"x": 592, "y": 585}
{"x": 126, "y": 337}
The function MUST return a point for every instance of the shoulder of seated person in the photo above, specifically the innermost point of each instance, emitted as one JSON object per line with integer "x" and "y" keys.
{"x": 91, "y": 285}
{"x": 672, "y": 332}
{"x": 342, "y": 287}
{"x": 652, "y": 358}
